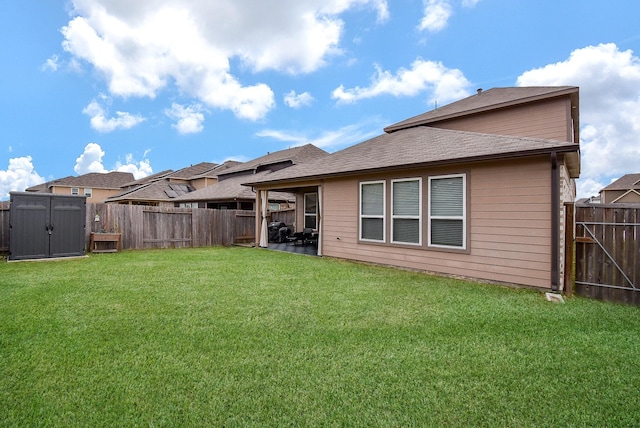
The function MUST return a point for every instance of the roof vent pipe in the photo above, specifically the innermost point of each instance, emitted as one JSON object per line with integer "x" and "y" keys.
{"x": 479, "y": 90}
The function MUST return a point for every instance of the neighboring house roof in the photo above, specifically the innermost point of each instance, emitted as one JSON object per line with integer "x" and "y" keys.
{"x": 157, "y": 191}
{"x": 159, "y": 188}
{"x": 231, "y": 189}
{"x": 219, "y": 169}
{"x": 189, "y": 172}
{"x": 420, "y": 147}
{"x": 229, "y": 186}
{"x": 626, "y": 182}
{"x": 148, "y": 178}
{"x": 293, "y": 156}
{"x": 489, "y": 100}
{"x": 95, "y": 180}
{"x": 626, "y": 189}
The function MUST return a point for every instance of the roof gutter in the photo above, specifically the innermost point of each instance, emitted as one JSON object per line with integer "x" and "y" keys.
{"x": 555, "y": 221}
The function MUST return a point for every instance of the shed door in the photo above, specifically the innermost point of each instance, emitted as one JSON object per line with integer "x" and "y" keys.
{"x": 46, "y": 226}
{"x": 67, "y": 239}
{"x": 29, "y": 222}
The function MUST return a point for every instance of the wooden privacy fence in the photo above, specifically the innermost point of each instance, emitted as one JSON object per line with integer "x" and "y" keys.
{"x": 608, "y": 252}
{"x": 143, "y": 227}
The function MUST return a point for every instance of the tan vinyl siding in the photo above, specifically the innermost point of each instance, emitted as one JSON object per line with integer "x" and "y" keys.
{"x": 550, "y": 119}
{"x": 97, "y": 195}
{"x": 508, "y": 219}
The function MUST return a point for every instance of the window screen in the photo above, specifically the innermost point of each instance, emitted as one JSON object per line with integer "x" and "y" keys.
{"x": 372, "y": 201}
{"x": 406, "y": 211}
{"x": 447, "y": 211}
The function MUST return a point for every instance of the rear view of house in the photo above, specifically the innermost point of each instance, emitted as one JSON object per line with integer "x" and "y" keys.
{"x": 475, "y": 188}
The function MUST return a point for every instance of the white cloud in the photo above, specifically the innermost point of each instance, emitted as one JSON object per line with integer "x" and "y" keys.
{"x": 91, "y": 161}
{"x": 436, "y": 15}
{"x": 139, "y": 169}
{"x": 51, "y": 64}
{"x": 101, "y": 123}
{"x": 438, "y": 12}
{"x": 294, "y": 100}
{"x": 329, "y": 139}
{"x": 140, "y": 48}
{"x": 445, "y": 84}
{"x": 18, "y": 176}
{"x": 609, "y": 81}
{"x": 189, "y": 119}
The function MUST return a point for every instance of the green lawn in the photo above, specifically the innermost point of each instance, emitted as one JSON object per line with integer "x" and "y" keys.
{"x": 248, "y": 337}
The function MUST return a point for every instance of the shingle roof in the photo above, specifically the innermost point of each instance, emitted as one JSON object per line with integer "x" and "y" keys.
{"x": 482, "y": 101}
{"x": 162, "y": 190}
{"x": 95, "y": 180}
{"x": 296, "y": 155}
{"x": 158, "y": 187}
{"x": 626, "y": 182}
{"x": 149, "y": 178}
{"x": 193, "y": 170}
{"x": 230, "y": 189}
{"x": 219, "y": 169}
{"x": 417, "y": 147}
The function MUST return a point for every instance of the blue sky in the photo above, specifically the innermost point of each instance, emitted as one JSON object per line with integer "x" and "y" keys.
{"x": 103, "y": 85}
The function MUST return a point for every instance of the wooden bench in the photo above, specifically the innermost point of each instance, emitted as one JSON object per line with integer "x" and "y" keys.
{"x": 109, "y": 242}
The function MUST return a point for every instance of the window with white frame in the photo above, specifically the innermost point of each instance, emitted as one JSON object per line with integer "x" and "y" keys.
{"x": 406, "y": 211}
{"x": 372, "y": 211}
{"x": 310, "y": 210}
{"x": 447, "y": 211}
{"x": 75, "y": 191}
{"x": 88, "y": 192}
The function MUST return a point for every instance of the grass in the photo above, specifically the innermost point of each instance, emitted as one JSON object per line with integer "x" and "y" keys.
{"x": 247, "y": 337}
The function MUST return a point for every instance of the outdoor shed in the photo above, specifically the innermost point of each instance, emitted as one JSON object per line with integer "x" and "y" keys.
{"x": 44, "y": 225}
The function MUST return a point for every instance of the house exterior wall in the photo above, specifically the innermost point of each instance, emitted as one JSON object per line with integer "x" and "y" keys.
{"x": 608, "y": 196}
{"x": 550, "y": 119}
{"x": 631, "y": 197}
{"x": 509, "y": 224}
{"x": 200, "y": 183}
{"x": 97, "y": 195}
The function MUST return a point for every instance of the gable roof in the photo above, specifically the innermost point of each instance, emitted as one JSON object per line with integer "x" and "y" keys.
{"x": 231, "y": 189}
{"x": 626, "y": 182}
{"x": 492, "y": 99}
{"x": 420, "y": 146}
{"x": 159, "y": 187}
{"x": 294, "y": 155}
{"x": 94, "y": 180}
{"x": 157, "y": 191}
{"x": 191, "y": 171}
{"x": 218, "y": 170}
{"x": 148, "y": 178}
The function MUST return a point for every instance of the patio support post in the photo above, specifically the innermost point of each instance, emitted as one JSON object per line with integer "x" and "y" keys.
{"x": 264, "y": 238}
{"x": 320, "y": 206}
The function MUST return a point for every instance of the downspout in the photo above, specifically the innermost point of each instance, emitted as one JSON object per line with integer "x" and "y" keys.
{"x": 555, "y": 221}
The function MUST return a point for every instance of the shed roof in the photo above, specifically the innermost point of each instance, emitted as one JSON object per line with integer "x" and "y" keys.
{"x": 419, "y": 147}
{"x": 491, "y": 99}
